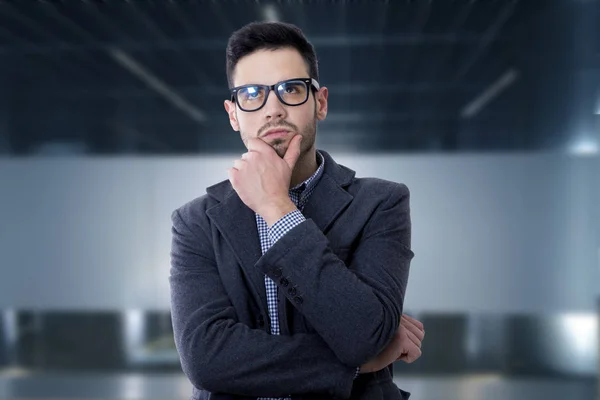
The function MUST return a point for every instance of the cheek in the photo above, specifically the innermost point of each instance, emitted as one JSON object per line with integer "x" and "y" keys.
{"x": 304, "y": 117}
{"x": 247, "y": 125}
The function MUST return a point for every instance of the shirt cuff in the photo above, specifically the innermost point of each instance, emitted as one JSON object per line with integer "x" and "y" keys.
{"x": 285, "y": 224}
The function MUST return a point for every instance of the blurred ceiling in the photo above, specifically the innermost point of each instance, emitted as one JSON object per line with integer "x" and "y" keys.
{"x": 148, "y": 77}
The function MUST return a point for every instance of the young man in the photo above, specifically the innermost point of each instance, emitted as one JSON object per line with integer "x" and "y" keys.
{"x": 288, "y": 279}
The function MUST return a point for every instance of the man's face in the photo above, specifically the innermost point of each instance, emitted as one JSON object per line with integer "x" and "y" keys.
{"x": 267, "y": 67}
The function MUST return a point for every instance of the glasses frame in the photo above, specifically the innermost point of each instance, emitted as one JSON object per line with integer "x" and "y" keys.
{"x": 310, "y": 83}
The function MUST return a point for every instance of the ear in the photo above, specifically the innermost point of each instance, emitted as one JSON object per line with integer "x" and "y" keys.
{"x": 230, "y": 108}
{"x": 321, "y": 99}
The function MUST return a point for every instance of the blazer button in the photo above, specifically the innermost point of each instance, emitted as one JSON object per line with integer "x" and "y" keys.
{"x": 292, "y": 291}
{"x": 277, "y": 272}
{"x": 298, "y": 299}
{"x": 284, "y": 282}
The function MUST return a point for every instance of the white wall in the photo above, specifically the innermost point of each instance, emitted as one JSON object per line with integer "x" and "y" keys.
{"x": 495, "y": 233}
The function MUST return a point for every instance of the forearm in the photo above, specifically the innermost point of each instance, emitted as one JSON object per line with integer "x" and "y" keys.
{"x": 229, "y": 357}
{"x": 220, "y": 354}
{"x": 356, "y": 308}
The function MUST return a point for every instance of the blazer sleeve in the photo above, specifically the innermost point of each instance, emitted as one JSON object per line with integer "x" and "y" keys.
{"x": 355, "y": 308}
{"x": 220, "y": 354}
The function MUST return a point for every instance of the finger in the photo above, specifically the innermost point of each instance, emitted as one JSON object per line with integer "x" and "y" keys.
{"x": 249, "y": 156}
{"x": 239, "y": 164}
{"x": 407, "y": 325}
{"x": 293, "y": 151}
{"x": 413, "y": 338}
{"x": 416, "y": 332}
{"x": 411, "y": 356}
{"x": 420, "y": 333}
{"x": 414, "y": 356}
{"x": 413, "y": 321}
{"x": 410, "y": 353}
{"x": 258, "y": 145}
{"x": 231, "y": 175}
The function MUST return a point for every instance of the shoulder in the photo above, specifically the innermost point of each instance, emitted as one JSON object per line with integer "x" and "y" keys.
{"x": 359, "y": 186}
{"x": 377, "y": 188}
{"x": 194, "y": 211}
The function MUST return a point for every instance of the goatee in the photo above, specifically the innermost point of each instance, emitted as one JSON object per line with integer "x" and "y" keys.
{"x": 278, "y": 146}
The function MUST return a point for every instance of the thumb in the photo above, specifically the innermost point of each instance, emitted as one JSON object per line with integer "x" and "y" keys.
{"x": 293, "y": 152}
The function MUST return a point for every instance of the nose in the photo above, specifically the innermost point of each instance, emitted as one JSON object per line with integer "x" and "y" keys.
{"x": 274, "y": 109}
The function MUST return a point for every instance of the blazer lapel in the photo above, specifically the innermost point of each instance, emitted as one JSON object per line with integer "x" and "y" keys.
{"x": 329, "y": 197}
{"x": 326, "y": 202}
{"x": 237, "y": 224}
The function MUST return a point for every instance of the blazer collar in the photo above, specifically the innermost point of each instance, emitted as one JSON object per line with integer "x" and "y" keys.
{"x": 237, "y": 222}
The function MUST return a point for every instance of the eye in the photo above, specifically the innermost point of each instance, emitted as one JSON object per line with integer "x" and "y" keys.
{"x": 292, "y": 88}
{"x": 250, "y": 93}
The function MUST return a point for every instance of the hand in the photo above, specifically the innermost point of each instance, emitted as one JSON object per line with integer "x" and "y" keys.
{"x": 413, "y": 334}
{"x": 262, "y": 179}
{"x": 405, "y": 346}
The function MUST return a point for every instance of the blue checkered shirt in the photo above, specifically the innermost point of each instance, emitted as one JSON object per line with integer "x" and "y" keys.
{"x": 299, "y": 194}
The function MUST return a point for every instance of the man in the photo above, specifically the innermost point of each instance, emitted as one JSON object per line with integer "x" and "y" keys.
{"x": 288, "y": 279}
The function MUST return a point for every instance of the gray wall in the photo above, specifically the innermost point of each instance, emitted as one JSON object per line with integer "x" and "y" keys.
{"x": 492, "y": 233}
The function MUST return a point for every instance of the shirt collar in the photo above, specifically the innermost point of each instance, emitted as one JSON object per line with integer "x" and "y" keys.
{"x": 308, "y": 185}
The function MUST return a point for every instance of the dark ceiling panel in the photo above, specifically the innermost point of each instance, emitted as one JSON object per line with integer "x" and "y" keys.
{"x": 408, "y": 66}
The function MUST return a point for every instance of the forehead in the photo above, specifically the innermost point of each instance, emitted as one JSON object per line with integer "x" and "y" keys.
{"x": 269, "y": 67}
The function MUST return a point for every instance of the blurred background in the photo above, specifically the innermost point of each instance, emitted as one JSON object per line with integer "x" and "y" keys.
{"x": 111, "y": 116}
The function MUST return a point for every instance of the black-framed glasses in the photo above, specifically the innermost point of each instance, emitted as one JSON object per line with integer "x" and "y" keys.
{"x": 291, "y": 92}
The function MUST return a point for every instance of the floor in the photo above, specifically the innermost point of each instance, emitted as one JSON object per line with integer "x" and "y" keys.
{"x": 20, "y": 385}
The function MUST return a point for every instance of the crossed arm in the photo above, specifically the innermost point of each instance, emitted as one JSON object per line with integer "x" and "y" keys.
{"x": 365, "y": 300}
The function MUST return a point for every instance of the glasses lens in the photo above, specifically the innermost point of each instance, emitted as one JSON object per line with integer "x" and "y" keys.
{"x": 293, "y": 92}
{"x": 251, "y": 97}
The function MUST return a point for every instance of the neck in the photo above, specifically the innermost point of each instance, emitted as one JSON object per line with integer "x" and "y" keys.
{"x": 305, "y": 167}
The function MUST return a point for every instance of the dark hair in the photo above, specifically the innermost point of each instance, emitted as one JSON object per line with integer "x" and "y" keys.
{"x": 271, "y": 36}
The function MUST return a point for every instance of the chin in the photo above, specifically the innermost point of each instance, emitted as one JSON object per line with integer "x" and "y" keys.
{"x": 280, "y": 146}
{"x": 280, "y": 150}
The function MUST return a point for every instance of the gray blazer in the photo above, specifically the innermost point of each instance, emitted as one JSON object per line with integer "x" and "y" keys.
{"x": 341, "y": 274}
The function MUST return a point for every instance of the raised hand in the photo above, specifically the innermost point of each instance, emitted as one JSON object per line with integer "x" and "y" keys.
{"x": 261, "y": 178}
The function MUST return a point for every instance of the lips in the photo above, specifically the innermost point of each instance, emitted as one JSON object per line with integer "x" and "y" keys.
{"x": 273, "y": 133}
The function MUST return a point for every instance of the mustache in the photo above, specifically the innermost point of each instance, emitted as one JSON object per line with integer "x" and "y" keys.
{"x": 277, "y": 124}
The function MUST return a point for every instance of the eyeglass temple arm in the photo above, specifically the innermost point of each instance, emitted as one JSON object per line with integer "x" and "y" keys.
{"x": 315, "y": 83}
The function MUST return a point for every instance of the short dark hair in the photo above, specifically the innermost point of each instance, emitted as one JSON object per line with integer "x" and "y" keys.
{"x": 271, "y": 36}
